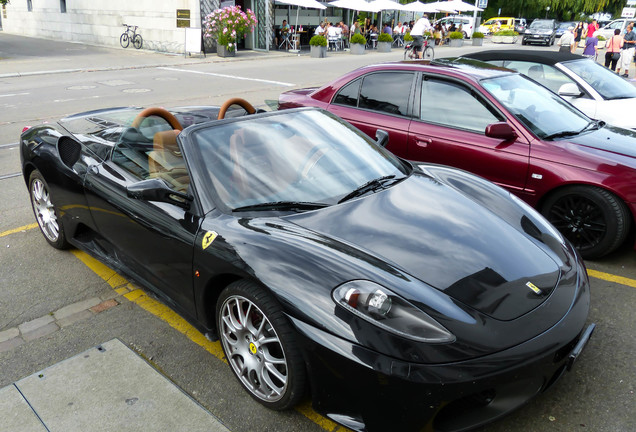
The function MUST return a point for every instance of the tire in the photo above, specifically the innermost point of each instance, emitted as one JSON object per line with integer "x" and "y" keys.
{"x": 45, "y": 212}
{"x": 523, "y": 42}
{"x": 428, "y": 54}
{"x": 138, "y": 41}
{"x": 273, "y": 372}
{"x": 594, "y": 220}
{"x": 124, "y": 40}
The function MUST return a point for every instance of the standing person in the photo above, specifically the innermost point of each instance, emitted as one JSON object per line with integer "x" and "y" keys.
{"x": 567, "y": 40}
{"x": 419, "y": 28}
{"x": 578, "y": 35}
{"x": 591, "y": 28}
{"x": 613, "y": 52}
{"x": 627, "y": 54}
{"x": 591, "y": 47}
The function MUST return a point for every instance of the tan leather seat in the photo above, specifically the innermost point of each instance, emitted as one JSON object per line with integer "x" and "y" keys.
{"x": 165, "y": 161}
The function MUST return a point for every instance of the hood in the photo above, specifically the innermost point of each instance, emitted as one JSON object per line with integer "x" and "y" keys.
{"x": 446, "y": 239}
{"x": 618, "y": 112}
{"x": 609, "y": 138}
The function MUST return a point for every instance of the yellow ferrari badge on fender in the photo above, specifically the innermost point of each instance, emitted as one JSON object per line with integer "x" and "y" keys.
{"x": 208, "y": 238}
{"x": 534, "y": 288}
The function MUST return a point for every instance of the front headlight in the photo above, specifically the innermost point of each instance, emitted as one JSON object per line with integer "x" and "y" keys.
{"x": 383, "y": 308}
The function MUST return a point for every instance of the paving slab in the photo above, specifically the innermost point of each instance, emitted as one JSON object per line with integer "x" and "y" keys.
{"x": 110, "y": 388}
{"x": 16, "y": 413}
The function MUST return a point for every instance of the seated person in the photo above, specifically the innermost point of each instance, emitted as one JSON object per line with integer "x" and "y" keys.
{"x": 321, "y": 30}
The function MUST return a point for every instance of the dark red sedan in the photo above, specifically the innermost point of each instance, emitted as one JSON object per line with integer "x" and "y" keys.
{"x": 580, "y": 173}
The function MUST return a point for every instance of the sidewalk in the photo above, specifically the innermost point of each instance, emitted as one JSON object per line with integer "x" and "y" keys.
{"x": 107, "y": 388}
{"x": 24, "y": 56}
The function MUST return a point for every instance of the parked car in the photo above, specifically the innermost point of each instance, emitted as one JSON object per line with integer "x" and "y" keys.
{"x": 314, "y": 253}
{"x": 592, "y": 88}
{"x": 540, "y": 31}
{"x": 520, "y": 25}
{"x": 607, "y": 31}
{"x": 467, "y": 23}
{"x": 563, "y": 26}
{"x": 502, "y": 23}
{"x": 503, "y": 126}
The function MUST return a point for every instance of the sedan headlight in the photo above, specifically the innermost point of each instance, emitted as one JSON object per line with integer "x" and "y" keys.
{"x": 383, "y": 308}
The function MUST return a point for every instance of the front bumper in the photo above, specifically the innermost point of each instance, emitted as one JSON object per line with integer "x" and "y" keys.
{"x": 543, "y": 39}
{"x": 368, "y": 391}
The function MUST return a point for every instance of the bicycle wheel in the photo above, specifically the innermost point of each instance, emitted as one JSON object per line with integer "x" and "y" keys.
{"x": 408, "y": 53}
{"x": 124, "y": 40}
{"x": 429, "y": 53}
{"x": 137, "y": 41}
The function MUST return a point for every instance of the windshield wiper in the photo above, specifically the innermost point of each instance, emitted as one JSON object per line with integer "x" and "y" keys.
{"x": 370, "y": 186}
{"x": 282, "y": 205}
{"x": 562, "y": 134}
{"x": 594, "y": 124}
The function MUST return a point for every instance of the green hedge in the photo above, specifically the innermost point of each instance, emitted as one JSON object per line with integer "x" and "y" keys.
{"x": 358, "y": 39}
{"x": 385, "y": 37}
{"x": 456, "y": 35}
{"x": 318, "y": 40}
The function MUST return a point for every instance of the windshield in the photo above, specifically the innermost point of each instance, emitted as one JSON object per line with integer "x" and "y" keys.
{"x": 307, "y": 157}
{"x": 541, "y": 25}
{"x": 542, "y": 111}
{"x": 605, "y": 82}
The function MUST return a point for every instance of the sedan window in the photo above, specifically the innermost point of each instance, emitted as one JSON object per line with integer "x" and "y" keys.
{"x": 386, "y": 92}
{"x": 453, "y": 105}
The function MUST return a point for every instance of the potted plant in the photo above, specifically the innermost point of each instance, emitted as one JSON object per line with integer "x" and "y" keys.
{"x": 456, "y": 39}
{"x": 478, "y": 38}
{"x": 384, "y": 42}
{"x": 601, "y": 41}
{"x": 226, "y": 25}
{"x": 318, "y": 46}
{"x": 505, "y": 36}
{"x": 357, "y": 44}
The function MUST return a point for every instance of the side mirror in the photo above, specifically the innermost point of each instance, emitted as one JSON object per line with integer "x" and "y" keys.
{"x": 501, "y": 130}
{"x": 158, "y": 190}
{"x": 381, "y": 137}
{"x": 570, "y": 90}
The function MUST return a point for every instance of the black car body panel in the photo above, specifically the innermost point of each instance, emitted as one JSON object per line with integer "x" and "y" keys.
{"x": 542, "y": 31}
{"x": 490, "y": 270}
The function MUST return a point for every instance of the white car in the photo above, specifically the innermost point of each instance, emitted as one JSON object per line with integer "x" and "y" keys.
{"x": 467, "y": 23}
{"x": 595, "y": 90}
{"x": 607, "y": 31}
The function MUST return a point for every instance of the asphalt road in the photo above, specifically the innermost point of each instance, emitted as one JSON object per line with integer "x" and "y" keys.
{"x": 44, "y": 80}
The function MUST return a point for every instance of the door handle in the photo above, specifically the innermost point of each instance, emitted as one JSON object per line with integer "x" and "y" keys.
{"x": 423, "y": 142}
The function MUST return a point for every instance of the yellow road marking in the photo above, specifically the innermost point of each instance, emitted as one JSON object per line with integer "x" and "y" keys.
{"x": 174, "y": 320}
{"x": 20, "y": 229}
{"x": 612, "y": 278}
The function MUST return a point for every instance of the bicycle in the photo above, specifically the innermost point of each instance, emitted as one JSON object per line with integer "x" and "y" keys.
{"x": 131, "y": 35}
{"x": 410, "y": 53}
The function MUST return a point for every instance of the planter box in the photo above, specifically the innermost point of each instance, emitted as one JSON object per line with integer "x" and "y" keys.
{"x": 601, "y": 44}
{"x": 384, "y": 46}
{"x": 456, "y": 43}
{"x": 222, "y": 51}
{"x": 504, "y": 39}
{"x": 478, "y": 41}
{"x": 317, "y": 51}
{"x": 356, "y": 49}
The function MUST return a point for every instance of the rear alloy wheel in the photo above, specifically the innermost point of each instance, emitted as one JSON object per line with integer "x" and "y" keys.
{"x": 594, "y": 220}
{"x": 45, "y": 211}
{"x": 259, "y": 344}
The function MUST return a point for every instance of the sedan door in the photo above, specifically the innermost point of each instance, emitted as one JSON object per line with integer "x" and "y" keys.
{"x": 153, "y": 240}
{"x": 378, "y": 100}
{"x": 451, "y": 130}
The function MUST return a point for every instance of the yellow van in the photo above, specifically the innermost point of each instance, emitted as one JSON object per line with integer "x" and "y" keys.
{"x": 504, "y": 23}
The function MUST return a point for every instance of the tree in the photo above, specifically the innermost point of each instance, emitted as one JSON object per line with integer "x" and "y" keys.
{"x": 559, "y": 9}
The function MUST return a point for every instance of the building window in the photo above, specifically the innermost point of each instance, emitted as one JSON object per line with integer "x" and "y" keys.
{"x": 63, "y": 6}
{"x": 29, "y": 6}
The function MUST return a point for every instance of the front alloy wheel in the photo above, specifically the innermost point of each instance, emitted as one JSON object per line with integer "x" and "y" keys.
{"x": 259, "y": 345}
{"x": 594, "y": 220}
{"x": 45, "y": 212}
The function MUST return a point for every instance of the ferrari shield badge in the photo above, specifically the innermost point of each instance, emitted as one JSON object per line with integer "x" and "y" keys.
{"x": 532, "y": 286}
{"x": 208, "y": 238}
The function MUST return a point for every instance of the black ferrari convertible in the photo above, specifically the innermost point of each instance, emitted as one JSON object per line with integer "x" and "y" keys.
{"x": 399, "y": 296}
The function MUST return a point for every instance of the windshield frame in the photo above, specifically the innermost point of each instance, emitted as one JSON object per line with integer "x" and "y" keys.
{"x": 208, "y": 149}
